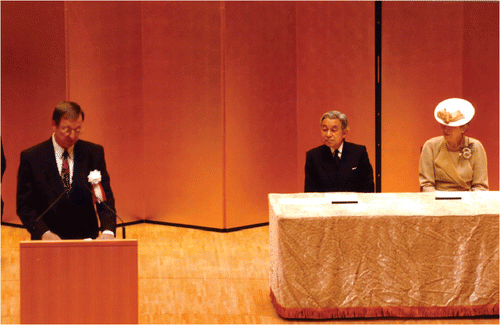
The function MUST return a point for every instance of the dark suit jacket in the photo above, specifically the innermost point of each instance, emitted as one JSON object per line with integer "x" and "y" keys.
{"x": 39, "y": 185}
{"x": 354, "y": 174}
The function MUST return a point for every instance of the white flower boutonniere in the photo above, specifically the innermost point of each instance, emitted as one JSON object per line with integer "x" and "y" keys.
{"x": 95, "y": 179}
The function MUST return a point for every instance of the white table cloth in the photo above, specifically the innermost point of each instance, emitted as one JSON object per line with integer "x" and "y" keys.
{"x": 388, "y": 255}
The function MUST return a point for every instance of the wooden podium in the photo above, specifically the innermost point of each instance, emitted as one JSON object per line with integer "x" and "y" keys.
{"x": 76, "y": 281}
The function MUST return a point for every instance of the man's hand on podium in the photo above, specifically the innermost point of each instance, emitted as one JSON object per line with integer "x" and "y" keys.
{"x": 48, "y": 235}
{"x": 106, "y": 235}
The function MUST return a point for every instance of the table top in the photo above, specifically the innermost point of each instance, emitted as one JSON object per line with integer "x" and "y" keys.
{"x": 385, "y": 204}
{"x": 77, "y": 243}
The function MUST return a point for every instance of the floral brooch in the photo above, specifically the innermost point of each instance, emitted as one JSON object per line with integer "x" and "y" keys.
{"x": 467, "y": 152}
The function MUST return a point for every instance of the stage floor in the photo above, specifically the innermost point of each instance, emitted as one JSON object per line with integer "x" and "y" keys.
{"x": 191, "y": 276}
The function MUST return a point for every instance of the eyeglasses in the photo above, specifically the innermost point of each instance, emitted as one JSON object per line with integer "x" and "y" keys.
{"x": 68, "y": 131}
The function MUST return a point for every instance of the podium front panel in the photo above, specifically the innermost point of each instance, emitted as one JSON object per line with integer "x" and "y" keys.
{"x": 75, "y": 281}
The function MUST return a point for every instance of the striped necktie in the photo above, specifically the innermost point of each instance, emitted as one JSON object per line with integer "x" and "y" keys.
{"x": 65, "y": 170}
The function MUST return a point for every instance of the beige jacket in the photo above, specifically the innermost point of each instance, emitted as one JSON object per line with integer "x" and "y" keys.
{"x": 444, "y": 170}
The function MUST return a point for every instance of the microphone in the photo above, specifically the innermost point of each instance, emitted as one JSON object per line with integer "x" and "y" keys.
{"x": 66, "y": 190}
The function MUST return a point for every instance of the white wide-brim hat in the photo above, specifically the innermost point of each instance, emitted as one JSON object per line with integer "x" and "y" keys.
{"x": 454, "y": 112}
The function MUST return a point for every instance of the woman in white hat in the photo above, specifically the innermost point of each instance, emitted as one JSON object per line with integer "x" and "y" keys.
{"x": 453, "y": 161}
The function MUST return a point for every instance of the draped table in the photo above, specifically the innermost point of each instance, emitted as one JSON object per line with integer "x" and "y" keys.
{"x": 346, "y": 255}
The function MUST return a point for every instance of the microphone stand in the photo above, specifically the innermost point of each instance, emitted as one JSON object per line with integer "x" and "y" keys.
{"x": 107, "y": 206}
{"x": 66, "y": 190}
{"x": 123, "y": 227}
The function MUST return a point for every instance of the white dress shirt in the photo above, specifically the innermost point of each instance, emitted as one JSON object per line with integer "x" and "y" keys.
{"x": 339, "y": 149}
{"x": 59, "y": 151}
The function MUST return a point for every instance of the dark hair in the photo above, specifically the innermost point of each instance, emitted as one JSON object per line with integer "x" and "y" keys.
{"x": 69, "y": 110}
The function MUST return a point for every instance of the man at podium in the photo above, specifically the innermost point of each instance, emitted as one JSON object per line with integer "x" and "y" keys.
{"x": 55, "y": 199}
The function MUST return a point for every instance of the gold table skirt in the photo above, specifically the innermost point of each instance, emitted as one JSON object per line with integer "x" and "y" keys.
{"x": 388, "y": 255}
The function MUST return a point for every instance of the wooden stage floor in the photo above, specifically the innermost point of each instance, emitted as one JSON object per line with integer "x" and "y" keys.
{"x": 189, "y": 276}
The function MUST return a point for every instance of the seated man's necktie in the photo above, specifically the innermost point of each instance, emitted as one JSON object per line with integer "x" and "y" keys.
{"x": 65, "y": 170}
{"x": 336, "y": 157}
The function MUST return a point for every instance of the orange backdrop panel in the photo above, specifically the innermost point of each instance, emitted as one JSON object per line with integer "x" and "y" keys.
{"x": 33, "y": 81}
{"x": 335, "y": 71}
{"x": 480, "y": 78}
{"x": 183, "y": 118}
{"x": 104, "y": 53}
{"x": 260, "y": 83}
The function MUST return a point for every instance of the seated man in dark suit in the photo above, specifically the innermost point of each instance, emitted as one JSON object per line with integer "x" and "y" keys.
{"x": 337, "y": 165}
{"x": 54, "y": 197}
